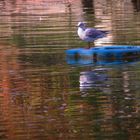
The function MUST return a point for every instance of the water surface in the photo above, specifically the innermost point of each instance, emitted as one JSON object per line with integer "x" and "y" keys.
{"x": 42, "y": 97}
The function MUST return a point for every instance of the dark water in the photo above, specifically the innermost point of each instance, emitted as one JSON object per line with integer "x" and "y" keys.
{"x": 44, "y": 98}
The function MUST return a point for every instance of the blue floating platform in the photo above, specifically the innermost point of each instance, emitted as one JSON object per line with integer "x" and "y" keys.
{"x": 103, "y": 55}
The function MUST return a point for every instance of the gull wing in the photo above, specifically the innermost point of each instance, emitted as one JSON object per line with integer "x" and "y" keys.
{"x": 94, "y": 33}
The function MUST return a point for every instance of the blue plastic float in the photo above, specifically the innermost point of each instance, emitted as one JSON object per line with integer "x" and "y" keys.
{"x": 103, "y": 55}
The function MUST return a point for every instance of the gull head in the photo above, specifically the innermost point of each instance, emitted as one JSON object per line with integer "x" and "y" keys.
{"x": 81, "y": 24}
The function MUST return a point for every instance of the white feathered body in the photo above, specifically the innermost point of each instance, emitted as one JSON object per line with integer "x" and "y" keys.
{"x": 82, "y": 35}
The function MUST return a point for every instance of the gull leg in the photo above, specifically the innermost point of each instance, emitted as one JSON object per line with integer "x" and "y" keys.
{"x": 93, "y": 44}
{"x": 88, "y": 45}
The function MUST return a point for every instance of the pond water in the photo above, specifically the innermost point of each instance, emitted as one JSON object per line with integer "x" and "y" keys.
{"x": 44, "y": 98}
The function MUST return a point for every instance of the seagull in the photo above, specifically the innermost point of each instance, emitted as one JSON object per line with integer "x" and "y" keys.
{"x": 89, "y": 34}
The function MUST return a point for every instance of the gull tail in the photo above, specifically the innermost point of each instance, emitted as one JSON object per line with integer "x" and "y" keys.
{"x": 105, "y": 32}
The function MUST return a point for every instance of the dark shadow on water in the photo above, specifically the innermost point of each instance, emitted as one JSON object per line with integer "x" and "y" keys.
{"x": 88, "y": 6}
{"x": 136, "y": 4}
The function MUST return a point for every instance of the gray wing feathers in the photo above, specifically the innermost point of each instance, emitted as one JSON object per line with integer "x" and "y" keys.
{"x": 93, "y": 33}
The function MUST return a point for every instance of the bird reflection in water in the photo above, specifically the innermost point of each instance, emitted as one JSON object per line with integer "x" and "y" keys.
{"x": 93, "y": 79}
